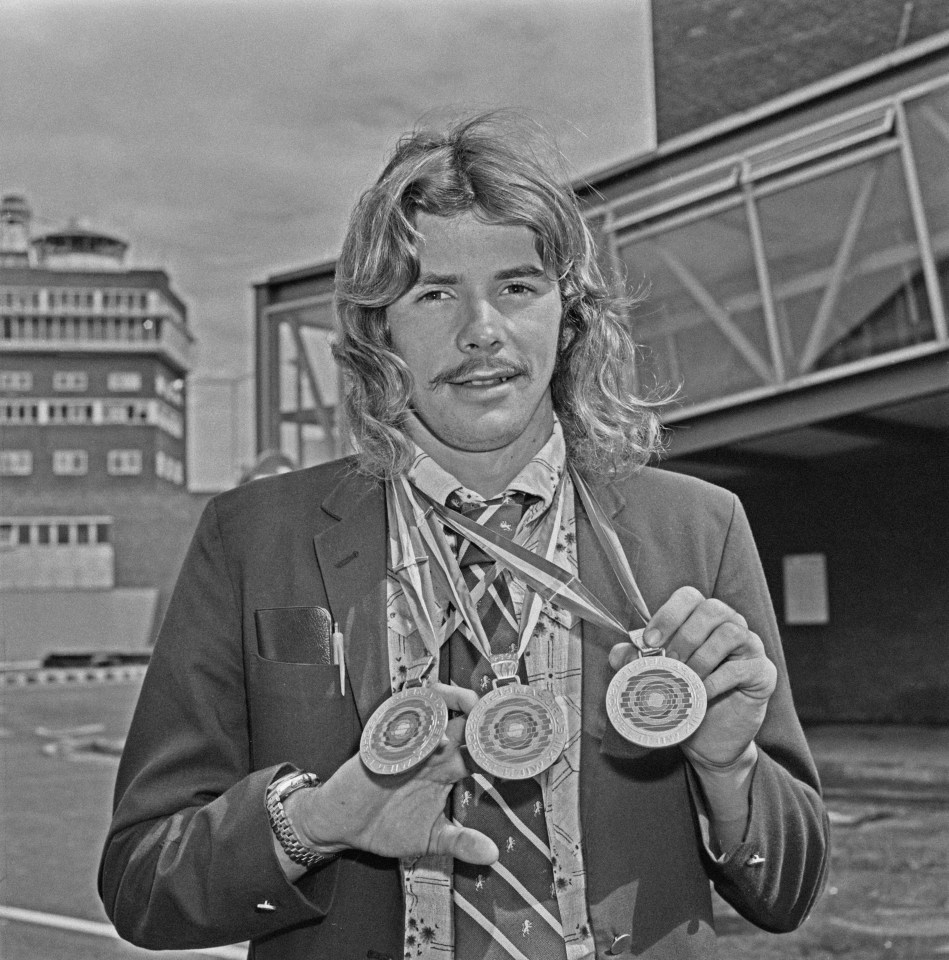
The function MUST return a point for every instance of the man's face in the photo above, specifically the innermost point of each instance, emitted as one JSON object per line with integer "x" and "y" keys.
{"x": 479, "y": 332}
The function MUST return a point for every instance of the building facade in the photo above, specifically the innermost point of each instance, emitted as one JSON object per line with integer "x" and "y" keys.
{"x": 94, "y": 358}
{"x": 786, "y": 252}
{"x": 793, "y": 274}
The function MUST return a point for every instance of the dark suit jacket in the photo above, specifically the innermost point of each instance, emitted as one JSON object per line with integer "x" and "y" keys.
{"x": 189, "y": 860}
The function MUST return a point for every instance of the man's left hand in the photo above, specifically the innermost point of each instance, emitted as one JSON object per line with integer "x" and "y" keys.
{"x": 714, "y": 640}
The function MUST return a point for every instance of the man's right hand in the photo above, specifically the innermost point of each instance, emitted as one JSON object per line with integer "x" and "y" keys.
{"x": 401, "y": 815}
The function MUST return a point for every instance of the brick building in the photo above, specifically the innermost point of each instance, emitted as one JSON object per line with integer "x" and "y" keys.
{"x": 94, "y": 358}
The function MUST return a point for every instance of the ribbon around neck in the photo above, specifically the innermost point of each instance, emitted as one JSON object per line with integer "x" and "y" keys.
{"x": 544, "y": 580}
{"x": 465, "y": 603}
{"x": 548, "y": 580}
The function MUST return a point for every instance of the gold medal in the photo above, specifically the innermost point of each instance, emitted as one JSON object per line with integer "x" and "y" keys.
{"x": 656, "y": 701}
{"x": 516, "y": 731}
{"x": 404, "y": 731}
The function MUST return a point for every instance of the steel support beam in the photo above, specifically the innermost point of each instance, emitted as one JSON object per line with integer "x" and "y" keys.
{"x": 815, "y": 404}
{"x": 825, "y": 311}
{"x": 727, "y": 327}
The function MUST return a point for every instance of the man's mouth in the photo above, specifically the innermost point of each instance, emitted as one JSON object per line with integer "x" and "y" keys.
{"x": 484, "y": 381}
{"x": 479, "y": 377}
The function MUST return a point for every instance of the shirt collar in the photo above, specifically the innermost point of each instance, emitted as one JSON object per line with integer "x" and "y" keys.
{"x": 539, "y": 477}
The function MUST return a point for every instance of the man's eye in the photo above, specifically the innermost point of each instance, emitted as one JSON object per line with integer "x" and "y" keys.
{"x": 518, "y": 287}
{"x": 433, "y": 295}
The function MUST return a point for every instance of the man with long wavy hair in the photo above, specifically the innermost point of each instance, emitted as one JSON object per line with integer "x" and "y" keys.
{"x": 499, "y": 440}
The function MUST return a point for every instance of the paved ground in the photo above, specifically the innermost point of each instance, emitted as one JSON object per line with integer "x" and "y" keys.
{"x": 888, "y": 791}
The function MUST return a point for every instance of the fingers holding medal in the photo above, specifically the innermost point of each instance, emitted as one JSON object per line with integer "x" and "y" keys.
{"x": 693, "y": 650}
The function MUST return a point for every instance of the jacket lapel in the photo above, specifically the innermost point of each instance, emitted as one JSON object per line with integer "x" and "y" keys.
{"x": 596, "y": 573}
{"x": 595, "y": 569}
{"x": 352, "y": 558}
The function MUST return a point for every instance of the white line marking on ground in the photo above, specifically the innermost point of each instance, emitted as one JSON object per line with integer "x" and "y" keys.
{"x": 96, "y": 928}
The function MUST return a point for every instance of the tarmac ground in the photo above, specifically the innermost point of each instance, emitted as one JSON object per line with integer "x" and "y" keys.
{"x": 887, "y": 789}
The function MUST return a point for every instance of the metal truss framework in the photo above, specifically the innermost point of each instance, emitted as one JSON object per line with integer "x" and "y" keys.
{"x": 651, "y": 225}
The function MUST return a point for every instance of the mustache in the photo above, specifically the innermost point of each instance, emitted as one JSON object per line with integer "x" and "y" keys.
{"x": 464, "y": 370}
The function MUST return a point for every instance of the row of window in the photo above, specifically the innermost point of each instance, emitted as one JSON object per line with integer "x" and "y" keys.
{"x": 67, "y": 299}
{"x": 19, "y": 463}
{"x": 68, "y": 329}
{"x": 44, "y": 532}
{"x": 75, "y": 463}
{"x": 118, "y": 381}
{"x": 93, "y": 413}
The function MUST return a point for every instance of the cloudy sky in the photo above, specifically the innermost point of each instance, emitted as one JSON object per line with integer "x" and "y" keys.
{"x": 227, "y": 139}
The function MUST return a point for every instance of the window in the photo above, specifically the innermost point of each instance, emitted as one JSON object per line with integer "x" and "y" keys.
{"x": 23, "y": 534}
{"x": 103, "y": 533}
{"x": 114, "y": 411}
{"x": 168, "y": 468}
{"x": 6, "y": 535}
{"x": 124, "y": 462}
{"x": 42, "y": 533}
{"x": 16, "y": 380}
{"x": 16, "y": 463}
{"x": 126, "y": 380}
{"x": 18, "y": 412}
{"x": 170, "y": 390}
{"x": 71, "y": 463}
{"x": 62, "y": 533}
{"x": 70, "y": 380}
{"x": 73, "y": 412}
{"x": 82, "y": 533}
{"x": 169, "y": 419}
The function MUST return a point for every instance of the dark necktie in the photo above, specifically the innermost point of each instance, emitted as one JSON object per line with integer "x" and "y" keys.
{"x": 508, "y": 910}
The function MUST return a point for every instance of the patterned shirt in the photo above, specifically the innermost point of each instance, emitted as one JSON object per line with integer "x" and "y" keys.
{"x": 553, "y": 662}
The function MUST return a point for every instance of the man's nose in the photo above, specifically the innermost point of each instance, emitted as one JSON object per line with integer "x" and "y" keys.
{"x": 482, "y": 326}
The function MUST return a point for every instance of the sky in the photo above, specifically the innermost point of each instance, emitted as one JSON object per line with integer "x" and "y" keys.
{"x": 226, "y": 140}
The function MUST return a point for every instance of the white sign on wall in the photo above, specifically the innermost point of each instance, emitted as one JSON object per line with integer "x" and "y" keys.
{"x": 805, "y": 589}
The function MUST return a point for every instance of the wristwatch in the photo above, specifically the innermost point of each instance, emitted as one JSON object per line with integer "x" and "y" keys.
{"x": 277, "y": 792}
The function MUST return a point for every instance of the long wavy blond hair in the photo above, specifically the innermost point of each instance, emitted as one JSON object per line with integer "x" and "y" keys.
{"x": 487, "y": 165}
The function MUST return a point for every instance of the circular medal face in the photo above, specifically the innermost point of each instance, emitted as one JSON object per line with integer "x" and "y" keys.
{"x": 656, "y": 701}
{"x": 515, "y": 731}
{"x": 403, "y": 731}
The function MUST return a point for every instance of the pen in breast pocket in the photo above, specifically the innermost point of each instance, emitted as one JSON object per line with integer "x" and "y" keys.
{"x": 339, "y": 657}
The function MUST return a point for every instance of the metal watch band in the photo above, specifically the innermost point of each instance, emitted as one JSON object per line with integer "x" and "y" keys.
{"x": 287, "y": 837}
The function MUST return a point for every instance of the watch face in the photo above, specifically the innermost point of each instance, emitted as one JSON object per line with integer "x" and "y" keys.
{"x": 282, "y": 788}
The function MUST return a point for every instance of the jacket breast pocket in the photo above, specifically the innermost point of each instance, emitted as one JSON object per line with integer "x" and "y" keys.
{"x": 297, "y": 712}
{"x": 295, "y": 634}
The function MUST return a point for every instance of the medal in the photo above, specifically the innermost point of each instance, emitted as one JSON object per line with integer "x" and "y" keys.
{"x": 404, "y": 731}
{"x": 656, "y": 701}
{"x": 653, "y": 701}
{"x": 515, "y": 731}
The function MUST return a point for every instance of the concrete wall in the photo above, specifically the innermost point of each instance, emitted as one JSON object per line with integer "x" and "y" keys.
{"x": 151, "y": 528}
{"x": 883, "y": 523}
